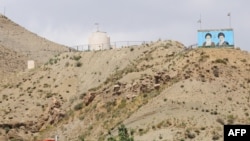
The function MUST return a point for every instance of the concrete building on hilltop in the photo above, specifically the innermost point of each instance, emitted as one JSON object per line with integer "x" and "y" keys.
{"x": 99, "y": 41}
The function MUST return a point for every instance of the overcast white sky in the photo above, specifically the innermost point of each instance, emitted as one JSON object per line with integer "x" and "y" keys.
{"x": 70, "y": 22}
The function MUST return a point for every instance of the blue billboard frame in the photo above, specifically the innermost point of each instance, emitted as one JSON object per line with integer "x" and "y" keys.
{"x": 216, "y": 38}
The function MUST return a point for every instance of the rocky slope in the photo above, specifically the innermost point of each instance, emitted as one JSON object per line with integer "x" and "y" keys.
{"x": 18, "y": 45}
{"x": 160, "y": 91}
{"x": 213, "y": 90}
{"x": 11, "y": 62}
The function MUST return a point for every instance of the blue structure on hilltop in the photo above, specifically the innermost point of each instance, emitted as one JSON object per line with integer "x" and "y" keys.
{"x": 216, "y": 38}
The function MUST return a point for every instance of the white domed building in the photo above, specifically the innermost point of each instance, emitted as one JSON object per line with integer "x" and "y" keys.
{"x": 99, "y": 41}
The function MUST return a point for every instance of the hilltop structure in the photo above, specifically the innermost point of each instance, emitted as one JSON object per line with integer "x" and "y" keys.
{"x": 99, "y": 41}
{"x": 216, "y": 38}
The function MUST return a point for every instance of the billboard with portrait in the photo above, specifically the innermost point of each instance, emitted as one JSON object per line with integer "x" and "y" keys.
{"x": 216, "y": 38}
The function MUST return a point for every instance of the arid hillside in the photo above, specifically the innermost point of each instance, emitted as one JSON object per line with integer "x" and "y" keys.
{"x": 11, "y": 62}
{"x": 213, "y": 89}
{"x": 18, "y": 45}
{"x": 159, "y": 91}
{"x": 17, "y": 38}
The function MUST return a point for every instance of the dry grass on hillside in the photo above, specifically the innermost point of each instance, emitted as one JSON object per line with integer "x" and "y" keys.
{"x": 160, "y": 91}
{"x": 188, "y": 99}
{"x": 11, "y": 62}
{"x": 25, "y": 43}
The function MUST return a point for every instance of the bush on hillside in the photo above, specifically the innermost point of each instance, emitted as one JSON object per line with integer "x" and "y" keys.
{"x": 78, "y": 106}
{"x": 222, "y": 61}
{"x": 123, "y": 135}
{"x": 78, "y": 64}
{"x": 77, "y": 58}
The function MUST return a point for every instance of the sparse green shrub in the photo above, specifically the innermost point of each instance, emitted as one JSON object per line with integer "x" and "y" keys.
{"x": 221, "y": 121}
{"x": 203, "y": 128}
{"x": 153, "y": 127}
{"x": 81, "y": 138}
{"x": 78, "y": 106}
{"x": 216, "y": 137}
{"x": 234, "y": 67}
{"x": 4, "y": 97}
{"x": 111, "y": 139}
{"x": 190, "y": 135}
{"x": 66, "y": 64}
{"x": 81, "y": 117}
{"x": 203, "y": 58}
{"x": 248, "y": 81}
{"x": 55, "y": 61}
{"x": 82, "y": 95}
{"x": 7, "y": 129}
{"x": 214, "y": 113}
{"x": 46, "y": 85}
{"x": 51, "y": 61}
{"x": 123, "y": 134}
{"x": 99, "y": 116}
{"x": 215, "y": 71}
{"x": 222, "y": 61}
{"x": 140, "y": 131}
{"x": 246, "y": 114}
{"x": 160, "y": 137}
{"x": 110, "y": 104}
{"x": 159, "y": 125}
{"x": 38, "y": 104}
{"x": 225, "y": 59}
{"x": 78, "y": 64}
{"x": 90, "y": 127}
{"x": 243, "y": 60}
{"x": 231, "y": 119}
{"x": 122, "y": 104}
{"x": 49, "y": 95}
{"x": 77, "y": 58}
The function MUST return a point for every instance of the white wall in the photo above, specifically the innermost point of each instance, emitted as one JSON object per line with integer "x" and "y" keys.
{"x": 99, "y": 41}
{"x": 31, "y": 64}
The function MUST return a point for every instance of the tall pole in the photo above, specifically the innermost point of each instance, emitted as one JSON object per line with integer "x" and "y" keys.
{"x": 229, "y": 18}
{"x": 4, "y": 10}
{"x": 97, "y": 26}
{"x": 199, "y": 21}
{"x": 230, "y": 21}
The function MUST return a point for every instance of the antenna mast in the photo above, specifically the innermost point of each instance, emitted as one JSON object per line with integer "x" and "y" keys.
{"x": 4, "y": 9}
{"x": 97, "y": 26}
